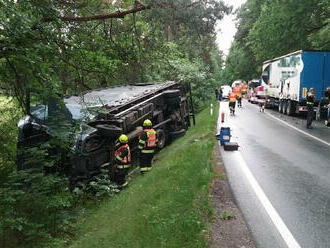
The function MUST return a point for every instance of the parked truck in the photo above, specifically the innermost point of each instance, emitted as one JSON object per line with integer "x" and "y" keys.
{"x": 289, "y": 77}
{"x": 98, "y": 117}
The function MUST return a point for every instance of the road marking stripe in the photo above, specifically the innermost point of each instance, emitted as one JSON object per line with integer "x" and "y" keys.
{"x": 271, "y": 211}
{"x": 297, "y": 129}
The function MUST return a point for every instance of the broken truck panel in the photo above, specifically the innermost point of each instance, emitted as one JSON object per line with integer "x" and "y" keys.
{"x": 97, "y": 118}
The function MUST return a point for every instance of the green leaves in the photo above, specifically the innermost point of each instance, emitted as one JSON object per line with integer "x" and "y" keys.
{"x": 268, "y": 29}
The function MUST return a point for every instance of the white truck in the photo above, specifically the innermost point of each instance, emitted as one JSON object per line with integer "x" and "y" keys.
{"x": 288, "y": 79}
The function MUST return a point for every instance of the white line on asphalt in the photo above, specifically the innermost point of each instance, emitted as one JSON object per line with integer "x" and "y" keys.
{"x": 271, "y": 211}
{"x": 301, "y": 131}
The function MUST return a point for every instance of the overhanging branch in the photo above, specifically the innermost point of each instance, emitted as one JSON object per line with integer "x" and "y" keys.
{"x": 118, "y": 14}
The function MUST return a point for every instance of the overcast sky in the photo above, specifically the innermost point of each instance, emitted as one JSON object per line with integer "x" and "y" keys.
{"x": 226, "y": 28}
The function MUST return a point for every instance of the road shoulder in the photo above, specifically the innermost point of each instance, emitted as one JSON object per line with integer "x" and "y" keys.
{"x": 229, "y": 229}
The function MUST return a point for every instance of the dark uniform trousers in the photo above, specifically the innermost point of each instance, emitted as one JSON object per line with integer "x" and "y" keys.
{"x": 145, "y": 161}
{"x": 120, "y": 177}
{"x": 310, "y": 114}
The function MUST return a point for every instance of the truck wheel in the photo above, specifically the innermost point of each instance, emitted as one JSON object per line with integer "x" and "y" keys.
{"x": 284, "y": 107}
{"x": 290, "y": 110}
{"x": 280, "y": 106}
{"x": 161, "y": 138}
{"x": 111, "y": 131}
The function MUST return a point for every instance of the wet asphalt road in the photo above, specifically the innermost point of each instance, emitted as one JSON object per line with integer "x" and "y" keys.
{"x": 292, "y": 169}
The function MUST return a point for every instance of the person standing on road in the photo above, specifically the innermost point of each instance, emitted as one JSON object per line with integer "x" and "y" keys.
{"x": 238, "y": 91}
{"x": 147, "y": 146}
{"x": 310, "y": 107}
{"x": 232, "y": 102}
{"x": 123, "y": 160}
{"x": 327, "y": 96}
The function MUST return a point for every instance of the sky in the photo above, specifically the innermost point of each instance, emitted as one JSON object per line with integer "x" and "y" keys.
{"x": 226, "y": 27}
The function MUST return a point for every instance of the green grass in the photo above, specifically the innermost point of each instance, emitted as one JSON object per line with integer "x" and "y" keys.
{"x": 169, "y": 207}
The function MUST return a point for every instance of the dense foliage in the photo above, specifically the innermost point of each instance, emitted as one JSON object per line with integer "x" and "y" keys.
{"x": 41, "y": 49}
{"x": 268, "y": 29}
{"x": 67, "y": 47}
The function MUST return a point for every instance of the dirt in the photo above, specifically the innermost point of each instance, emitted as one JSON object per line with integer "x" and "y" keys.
{"x": 229, "y": 229}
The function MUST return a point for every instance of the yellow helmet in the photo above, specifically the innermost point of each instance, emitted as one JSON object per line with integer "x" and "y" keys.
{"x": 147, "y": 123}
{"x": 123, "y": 138}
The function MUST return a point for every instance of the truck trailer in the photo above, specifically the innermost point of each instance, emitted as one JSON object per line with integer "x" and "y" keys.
{"x": 289, "y": 77}
{"x": 95, "y": 119}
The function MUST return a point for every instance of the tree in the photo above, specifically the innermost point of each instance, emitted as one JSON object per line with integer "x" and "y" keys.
{"x": 282, "y": 27}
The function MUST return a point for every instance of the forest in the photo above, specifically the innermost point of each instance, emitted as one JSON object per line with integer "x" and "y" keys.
{"x": 269, "y": 29}
{"x": 66, "y": 47}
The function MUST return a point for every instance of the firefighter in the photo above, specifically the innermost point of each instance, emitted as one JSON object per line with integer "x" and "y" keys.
{"x": 123, "y": 160}
{"x": 232, "y": 102}
{"x": 147, "y": 146}
{"x": 238, "y": 92}
{"x": 310, "y": 107}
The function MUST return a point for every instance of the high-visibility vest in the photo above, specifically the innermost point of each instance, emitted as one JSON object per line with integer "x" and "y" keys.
{"x": 149, "y": 145}
{"x": 127, "y": 158}
{"x": 245, "y": 88}
{"x": 232, "y": 97}
{"x": 237, "y": 91}
{"x": 152, "y": 139}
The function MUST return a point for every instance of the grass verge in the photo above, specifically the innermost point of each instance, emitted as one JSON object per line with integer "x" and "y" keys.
{"x": 169, "y": 207}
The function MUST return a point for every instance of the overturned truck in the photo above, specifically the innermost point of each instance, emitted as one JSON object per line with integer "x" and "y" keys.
{"x": 98, "y": 118}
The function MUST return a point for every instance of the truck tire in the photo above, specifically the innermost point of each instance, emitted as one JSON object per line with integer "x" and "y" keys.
{"x": 290, "y": 110}
{"x": 111, "y": 131}
{"x": 284, "y": 107}
{"x": 280, "y": 106}
{"x": 161, "y": 138}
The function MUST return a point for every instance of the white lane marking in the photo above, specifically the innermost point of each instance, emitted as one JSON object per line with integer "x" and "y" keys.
{"x": 297, "y": 129}
{"x": 271, "y": 211}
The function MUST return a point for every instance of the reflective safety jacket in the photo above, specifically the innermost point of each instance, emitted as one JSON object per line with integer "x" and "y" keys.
{"x": 232, "y": 97}
{"x": 245, "y": 88}
{"x": 148, "y": 141}
{"x": 238, "y": 91}
{"x": 310, "y": 99}
{"x": 123, "y": 156}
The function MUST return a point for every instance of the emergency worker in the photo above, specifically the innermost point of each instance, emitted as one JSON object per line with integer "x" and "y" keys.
{"x": 327, "y": 96}
{"x": 244, "y": 88}
{"x": 310, "y": 107}
{"x": 123, "y": 160}
{"x": 238, "y": 92}
{"x": 232, "y": 102}
{"x": 147, "y": 146}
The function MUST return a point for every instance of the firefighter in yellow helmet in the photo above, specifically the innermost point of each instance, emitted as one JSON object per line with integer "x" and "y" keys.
{"x": 123, "y": 160}
{"x": 232, "y": 102}
{"x": 147, "y": 146}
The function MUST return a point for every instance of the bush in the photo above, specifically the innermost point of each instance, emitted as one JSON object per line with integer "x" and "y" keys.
{"x": 33, "y": 208}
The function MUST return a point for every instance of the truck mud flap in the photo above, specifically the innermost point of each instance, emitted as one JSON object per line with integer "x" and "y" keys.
{"x": 230, "y": 146}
